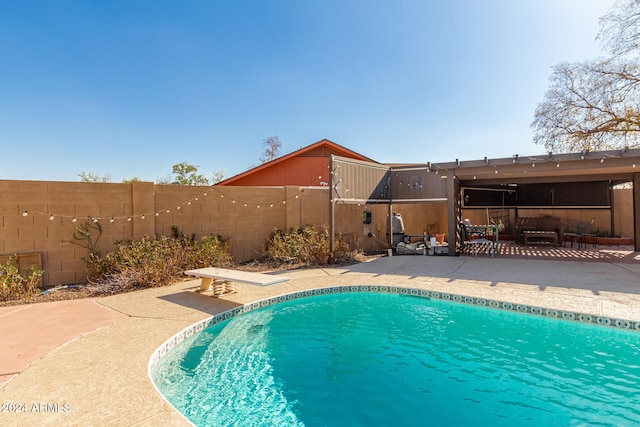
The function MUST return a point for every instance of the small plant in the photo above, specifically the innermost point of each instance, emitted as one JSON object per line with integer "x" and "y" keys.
{"x": 83, "y": 236}
{"x": 14, "y": 286}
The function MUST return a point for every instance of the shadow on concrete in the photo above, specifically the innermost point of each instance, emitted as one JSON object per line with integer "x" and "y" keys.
{"x": 201, "y": 302}
{"x": 605, "y": 269}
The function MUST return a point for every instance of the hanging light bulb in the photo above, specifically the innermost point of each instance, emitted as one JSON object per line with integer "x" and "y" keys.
{"x": 112, "y": 220}
{"x": 74, "y": 219}
{"x": 51, "y": 218}
{"x": 25, "y": 213}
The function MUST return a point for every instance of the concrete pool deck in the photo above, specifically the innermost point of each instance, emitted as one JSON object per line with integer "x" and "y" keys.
{"x": 99, "y": 377}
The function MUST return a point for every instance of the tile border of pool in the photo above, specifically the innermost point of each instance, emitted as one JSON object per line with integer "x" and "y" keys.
{"x": 572, "y": 316}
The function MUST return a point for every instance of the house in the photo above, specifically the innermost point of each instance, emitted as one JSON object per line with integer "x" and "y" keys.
{"x": 308, "y": 166}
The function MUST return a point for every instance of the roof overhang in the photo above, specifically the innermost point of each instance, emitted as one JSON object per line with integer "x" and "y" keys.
{"x": 613, "y": 165}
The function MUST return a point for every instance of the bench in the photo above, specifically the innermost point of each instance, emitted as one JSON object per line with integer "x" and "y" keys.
{"x": 222, "y": 279}
{"x": 551, "y": 224}
{"x": 546, "y": 237}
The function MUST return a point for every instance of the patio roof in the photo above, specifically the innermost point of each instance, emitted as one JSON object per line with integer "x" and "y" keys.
{"x": 428, "y": 182}
{"x": 614, "y": 165}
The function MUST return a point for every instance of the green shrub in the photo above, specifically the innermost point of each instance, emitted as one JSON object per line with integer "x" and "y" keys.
{"x": 306, "y": 246}
{"x": 14, "y": 286}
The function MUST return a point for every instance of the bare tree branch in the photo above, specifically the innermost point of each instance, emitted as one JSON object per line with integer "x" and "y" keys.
{"x": 595, "y": 105}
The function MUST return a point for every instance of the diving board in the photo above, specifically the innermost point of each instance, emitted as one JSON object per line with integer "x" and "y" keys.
{"x": 222, "y": 279}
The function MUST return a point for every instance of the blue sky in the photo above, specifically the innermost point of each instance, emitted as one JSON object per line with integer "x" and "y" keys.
{"x": 129, "y": 88}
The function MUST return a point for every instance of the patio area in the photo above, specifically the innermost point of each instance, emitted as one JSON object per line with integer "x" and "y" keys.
{"x": 97, "y": 375}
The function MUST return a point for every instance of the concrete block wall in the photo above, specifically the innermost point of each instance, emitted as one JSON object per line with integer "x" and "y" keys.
{"x": 244, "y": 216}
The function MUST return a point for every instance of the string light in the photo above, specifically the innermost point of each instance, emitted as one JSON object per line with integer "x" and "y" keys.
{"x": 114, "y": 219}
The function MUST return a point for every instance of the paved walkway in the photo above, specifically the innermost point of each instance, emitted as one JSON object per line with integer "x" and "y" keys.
{"x": 30, "y": 332}
{"x": 98, "y": 374}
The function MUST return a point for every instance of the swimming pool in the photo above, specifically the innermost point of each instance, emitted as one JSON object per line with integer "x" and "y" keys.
{"x": 384, "y": 359}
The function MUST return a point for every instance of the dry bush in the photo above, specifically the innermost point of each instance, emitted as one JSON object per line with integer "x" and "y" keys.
{"x": 307, "y": 246}
{"x": 14, "y": 286}
{"x": 156, "y": 261}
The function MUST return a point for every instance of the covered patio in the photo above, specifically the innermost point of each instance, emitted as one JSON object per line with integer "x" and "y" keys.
{"x": 576, "y": 185}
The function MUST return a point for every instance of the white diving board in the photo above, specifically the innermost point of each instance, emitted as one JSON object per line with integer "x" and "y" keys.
{"x": 222, "y": 279}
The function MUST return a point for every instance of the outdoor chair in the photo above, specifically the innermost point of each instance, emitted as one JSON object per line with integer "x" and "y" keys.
{"x": 475, "y": 242}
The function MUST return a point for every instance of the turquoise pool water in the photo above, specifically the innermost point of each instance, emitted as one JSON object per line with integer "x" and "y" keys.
{"x": 376, "y": 359}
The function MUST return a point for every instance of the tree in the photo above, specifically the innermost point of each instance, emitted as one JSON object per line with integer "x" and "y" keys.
{"x": 595, "y": 105}
{"x": 271, "y": 147}
{"x": 164, "y": 180}
{"x": 186, "y": 174}
{"x": 94, "y": 177}
{"x": 131, "y": 180}
{"x": 218, "y": 176}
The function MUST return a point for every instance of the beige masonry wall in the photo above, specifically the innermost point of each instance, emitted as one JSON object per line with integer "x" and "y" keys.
{"x": 244, "y": 216}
